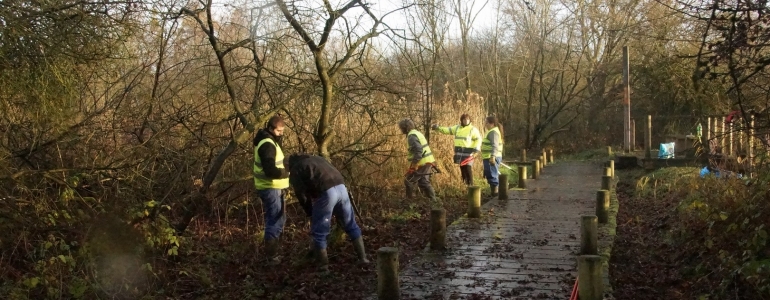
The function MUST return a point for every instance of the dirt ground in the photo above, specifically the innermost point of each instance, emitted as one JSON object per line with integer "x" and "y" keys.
{"x": 641, "y": 265}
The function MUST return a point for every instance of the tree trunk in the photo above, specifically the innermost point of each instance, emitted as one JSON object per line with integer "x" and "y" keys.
{"x": 324, "y": 132}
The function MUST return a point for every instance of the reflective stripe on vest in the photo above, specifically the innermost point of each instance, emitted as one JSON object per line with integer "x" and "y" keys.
{"x": 463, "y": 141}
{"x": 261, "y": 182}
{"x": 427, "y": 155}
{"x": 486, "y": 145}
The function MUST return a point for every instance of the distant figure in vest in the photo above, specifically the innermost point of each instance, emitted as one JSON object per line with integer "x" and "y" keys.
{"x": 270, "y": 178}
{"x": 492, "y": 152}
{"x": 420, "y": 161}
{"x": 467, "y": 144}
{"x": 321, "y": 191}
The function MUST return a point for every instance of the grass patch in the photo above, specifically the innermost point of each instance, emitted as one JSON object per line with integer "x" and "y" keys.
{"x": 662, "y": 180}
{"x": 403, "y": 216}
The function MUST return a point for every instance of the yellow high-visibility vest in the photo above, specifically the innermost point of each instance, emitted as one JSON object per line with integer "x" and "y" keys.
{"x": 467, "y": 140}
{"x": 261, "y": 181}
{"x": 427, "y": 155}
{"x": 486, "y": 145}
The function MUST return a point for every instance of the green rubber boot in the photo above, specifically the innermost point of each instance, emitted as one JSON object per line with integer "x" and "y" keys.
{"x": 358, "y": 244}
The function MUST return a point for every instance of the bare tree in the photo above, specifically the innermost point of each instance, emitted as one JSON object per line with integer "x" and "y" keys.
{"x": 247, "y": 118}
{"x": 426, "y": 35}
{"x": 329, "y": 65}
{"x": 466, "y": 13}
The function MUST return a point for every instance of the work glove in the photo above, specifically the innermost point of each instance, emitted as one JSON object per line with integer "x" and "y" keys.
{"x": 434, "y": 126}
{"x": 493, "y": 161}
{"x": 410, "y": 171}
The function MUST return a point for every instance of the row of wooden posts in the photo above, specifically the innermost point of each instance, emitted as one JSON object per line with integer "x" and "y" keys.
{"x": 730, "y": 138}
{"x": 590, "y": 272}
{"x": 388, "y": 286}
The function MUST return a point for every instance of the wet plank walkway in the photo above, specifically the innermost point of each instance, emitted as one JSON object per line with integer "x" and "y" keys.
{"x": 523, "y": 248}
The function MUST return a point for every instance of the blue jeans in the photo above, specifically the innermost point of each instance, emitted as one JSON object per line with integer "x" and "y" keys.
{"x": 332, "y": 201}
{"x": 273, "y": 204}
{"x": 491, "y": 172}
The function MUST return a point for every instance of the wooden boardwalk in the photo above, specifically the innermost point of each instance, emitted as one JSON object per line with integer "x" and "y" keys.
{"x": 522, "y": 248}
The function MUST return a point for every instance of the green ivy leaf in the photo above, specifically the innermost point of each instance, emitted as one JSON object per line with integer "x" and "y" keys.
{"x": 723, "y": 216}
{"x": 31, "y": 282}
{"x": 78, "y": 289}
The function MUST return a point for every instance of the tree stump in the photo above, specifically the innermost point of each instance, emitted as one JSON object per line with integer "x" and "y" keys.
{"x": 388, "y": 287}
{"x": 437, "y": 230}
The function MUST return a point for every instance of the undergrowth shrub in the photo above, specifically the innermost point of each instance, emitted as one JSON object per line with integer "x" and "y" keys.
{"x": 719, "y": 229}
{"x": 107, "y": 232}
{"x": 59, "y": 243}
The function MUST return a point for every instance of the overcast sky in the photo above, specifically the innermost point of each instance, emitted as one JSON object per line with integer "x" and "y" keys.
{"x": 486, "y": 16}
{"x": 485, "y": 19}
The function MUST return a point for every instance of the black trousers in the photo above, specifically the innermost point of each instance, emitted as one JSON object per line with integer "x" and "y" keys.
{"x": 467, "y": 173}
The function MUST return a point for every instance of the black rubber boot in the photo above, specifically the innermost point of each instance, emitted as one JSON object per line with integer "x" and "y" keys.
{"x": 409, "y": 193}
{"x": 321, "y": 260}
{"x": 271, "y": 251}
{"x": 358, "y": 244}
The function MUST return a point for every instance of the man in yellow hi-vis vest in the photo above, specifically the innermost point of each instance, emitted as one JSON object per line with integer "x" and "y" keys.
{"x": 492, "y": 152}
{"x": 467, "y": 141}
{"x": 270, "y": 179}
{"x": 420, "y": 161}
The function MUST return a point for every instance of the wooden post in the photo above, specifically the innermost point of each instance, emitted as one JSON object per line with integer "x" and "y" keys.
{"x": 437, "y": 229}
{"x": 540, "y": 160}
{"x": 708, "y": 135}
{"x": 536, "y": 169}
{"x": 589, "y": 237}
{"x": 590, "y": 283}
{"x": 543, "y": 158}
{"x": 474, "y": 202}
{"x": 387, "y": 274}
{"x": 717, "y": 135}
{"x": 739, "y": 146}
{"x": 750, "y": 147}
{"x": 609, "y": 150}
{"x": 550, "y": 156}
{"x": 503, "y": 187}
{"x": 708, "y": 128}
{"x": 612, "y": 168}
{"x": 523, "y": 177}
{"x": 633, "y": 135}
{"x": 602, "y": 206}
{"x": 626, "y": 102}
{"x": 607, "y": 171}
{"x": 648, "y": 139}
{"x": 722, "y": 134}
{"x": 523, "y": 155}
{"x": 606, "y": 182}
{"x": 731, "y": 148}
